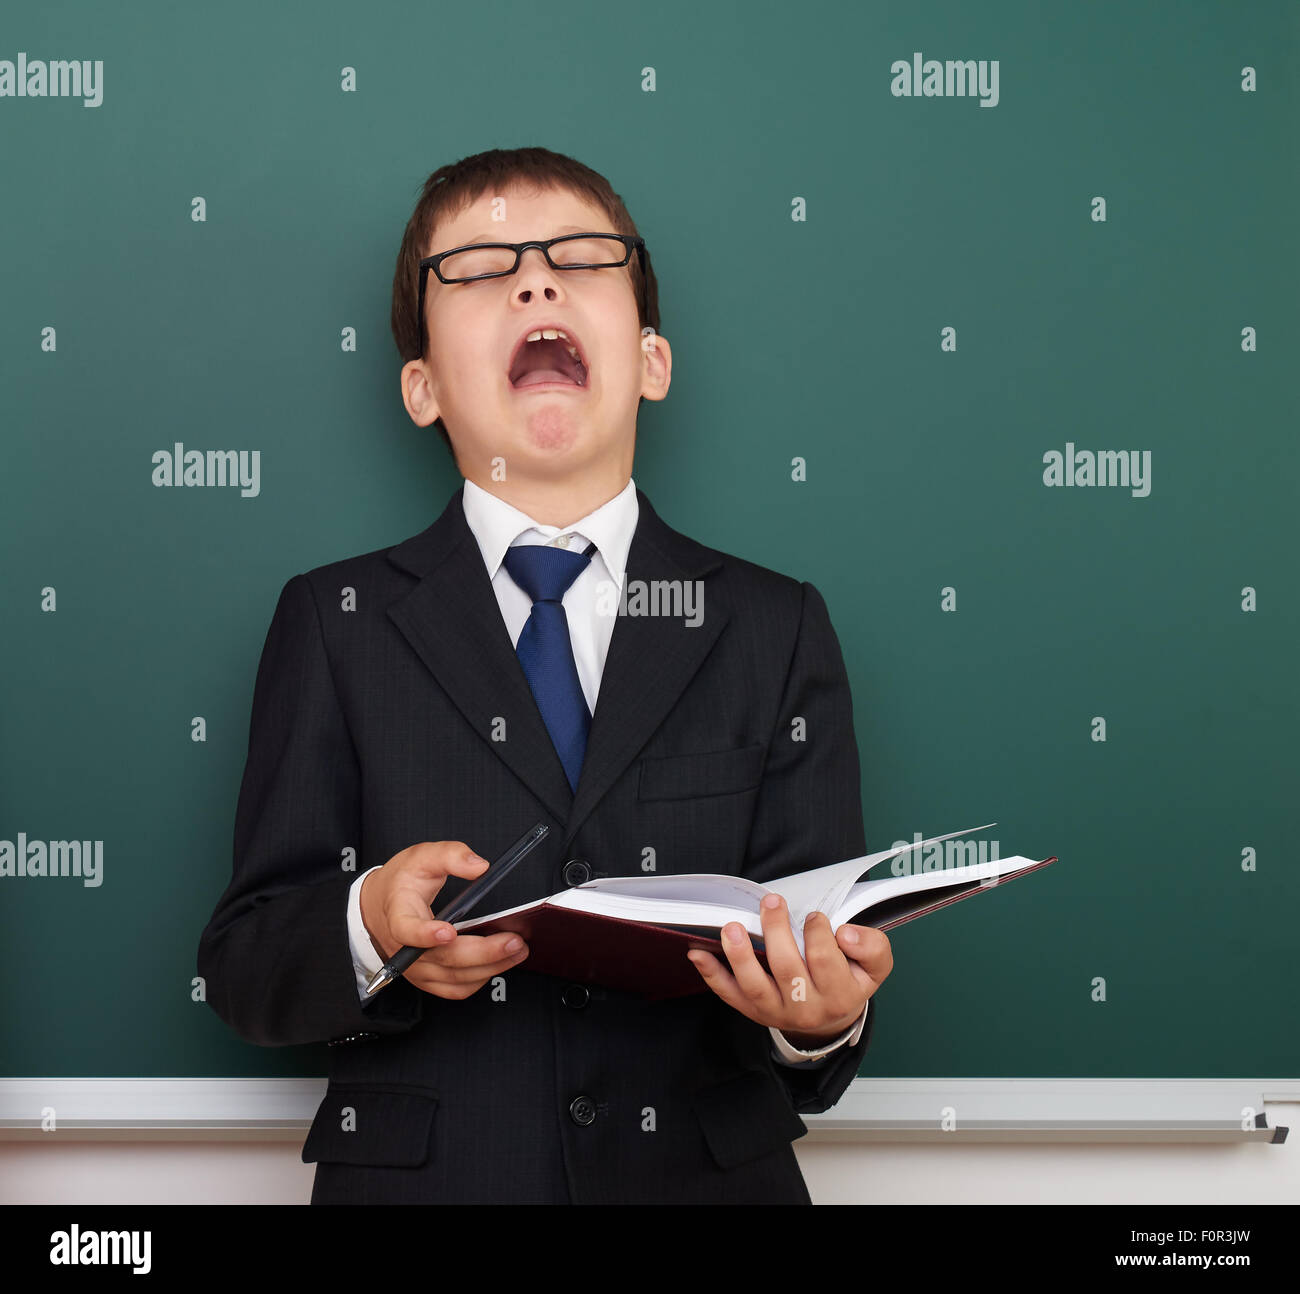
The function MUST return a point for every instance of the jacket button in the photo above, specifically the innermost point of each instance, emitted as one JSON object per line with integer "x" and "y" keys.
{"x": 576, "y": 996}
{"x": 577, "y": 871}
{"x": 582, "y": 1110}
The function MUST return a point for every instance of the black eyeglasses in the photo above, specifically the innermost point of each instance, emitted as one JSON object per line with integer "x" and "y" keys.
{"x": 496, "y": 260}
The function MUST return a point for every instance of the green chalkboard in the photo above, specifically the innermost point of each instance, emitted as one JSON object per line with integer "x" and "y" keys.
{"x": 910, "y": 301}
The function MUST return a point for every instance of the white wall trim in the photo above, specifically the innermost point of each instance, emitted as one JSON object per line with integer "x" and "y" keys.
{"x": 876, "y": 1109}
{"x": 1062, "y": 1109}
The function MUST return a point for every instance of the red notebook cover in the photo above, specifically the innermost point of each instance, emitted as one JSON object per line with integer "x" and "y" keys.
{"x": 590, "y": 949}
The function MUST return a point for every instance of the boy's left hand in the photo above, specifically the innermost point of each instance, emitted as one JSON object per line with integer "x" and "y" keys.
{"x": 809, "y": 1002}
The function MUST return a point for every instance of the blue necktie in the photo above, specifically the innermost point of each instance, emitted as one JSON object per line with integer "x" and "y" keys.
{"x": 544, "y": 648}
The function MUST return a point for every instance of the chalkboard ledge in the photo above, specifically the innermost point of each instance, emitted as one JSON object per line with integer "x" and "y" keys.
{"x": 1167, "y": 1110}
{"x": 873, "y": 1109}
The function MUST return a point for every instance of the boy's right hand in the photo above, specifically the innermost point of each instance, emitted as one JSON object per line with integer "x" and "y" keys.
{"x": 395, "y": 902}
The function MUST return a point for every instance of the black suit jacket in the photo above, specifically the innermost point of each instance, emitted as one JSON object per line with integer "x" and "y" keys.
{"x": 390, "y": 708}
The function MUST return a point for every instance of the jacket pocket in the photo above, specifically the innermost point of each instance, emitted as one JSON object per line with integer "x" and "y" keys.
{"x": 712, "y": 772}
{"x": 746, "y": 1117}
{"x": 372, "y": 1123}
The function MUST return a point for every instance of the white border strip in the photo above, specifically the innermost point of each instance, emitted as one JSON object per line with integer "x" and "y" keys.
{"x": 1072, "y": 1109}
{"x": 123, "y": 1104}
{"x": 912, "y": 1109}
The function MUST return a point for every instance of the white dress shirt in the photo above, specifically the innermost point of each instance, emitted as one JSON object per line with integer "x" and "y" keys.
{"x": 591, "y": 608}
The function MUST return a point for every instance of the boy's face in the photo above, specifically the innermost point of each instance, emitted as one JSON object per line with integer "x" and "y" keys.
{"x": 546, "y": 431}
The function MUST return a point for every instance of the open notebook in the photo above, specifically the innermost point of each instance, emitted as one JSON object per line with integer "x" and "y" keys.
{"x": 633, "y": 932}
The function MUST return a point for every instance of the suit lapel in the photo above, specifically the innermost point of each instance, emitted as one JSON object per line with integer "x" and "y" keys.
{"x": 651, "y": 658}
{"x": 453, "y": 622}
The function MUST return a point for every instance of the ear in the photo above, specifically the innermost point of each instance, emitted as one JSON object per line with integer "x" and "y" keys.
{"x": 656, "y": 364}
{"x": 418, "y": 395}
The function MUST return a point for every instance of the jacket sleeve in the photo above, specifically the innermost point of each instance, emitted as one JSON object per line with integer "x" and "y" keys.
{"x": 276, "y": 957}
{"x": 809, "y": 812}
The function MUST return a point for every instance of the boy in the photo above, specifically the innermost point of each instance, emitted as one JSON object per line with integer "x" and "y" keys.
{"x": 452, "y": 690}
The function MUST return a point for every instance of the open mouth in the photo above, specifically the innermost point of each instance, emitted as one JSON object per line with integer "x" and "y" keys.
{"x": 547, "y": 356}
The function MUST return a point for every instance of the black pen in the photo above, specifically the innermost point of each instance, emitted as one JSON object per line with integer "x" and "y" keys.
{"x": 400, "y": 961}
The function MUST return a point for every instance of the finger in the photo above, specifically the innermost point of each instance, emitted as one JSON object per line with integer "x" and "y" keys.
{"x": 447, "y": 858}
{"x": 828, "y": 964}
{"x": 476, "y": 950}
{"x": 419, "y": 884}
{"x": 866, "y": 982}
{"x": 783, "y": 958}
{"x": 721, "y": 981}
{"x": 411, "y": 922}
{"x": 869, "y": 948}
{"x": 425, "y": 867}
{"x": 753, "y": 981}
{"x": 427, "y": 973}
{"x": 452, "y": 990}
{"x": 841, "y": 984}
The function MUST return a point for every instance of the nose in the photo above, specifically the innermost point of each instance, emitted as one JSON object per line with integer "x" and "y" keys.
{"x": 534, "y": 271}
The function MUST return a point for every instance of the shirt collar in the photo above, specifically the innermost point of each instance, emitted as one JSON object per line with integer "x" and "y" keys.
{"x": 496, "y": 525}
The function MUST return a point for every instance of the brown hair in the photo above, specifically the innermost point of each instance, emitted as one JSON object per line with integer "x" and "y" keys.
{"x": 450, "y": 189}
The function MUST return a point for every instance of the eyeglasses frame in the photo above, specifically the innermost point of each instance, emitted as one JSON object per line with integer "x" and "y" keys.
{"x": 630, "y": 243}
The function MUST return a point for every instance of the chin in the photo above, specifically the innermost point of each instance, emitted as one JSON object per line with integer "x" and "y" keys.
{"x": 554, "y": 430}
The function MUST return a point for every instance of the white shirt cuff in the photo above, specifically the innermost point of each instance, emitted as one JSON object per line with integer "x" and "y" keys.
{"x": 366, "y": 961}
{"x": 788, "y": 1052}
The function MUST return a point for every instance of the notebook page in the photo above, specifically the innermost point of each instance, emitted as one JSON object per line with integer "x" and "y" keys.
{"x": 825, "y": 889}
{"x": 819, "y": 890}
{"x": 860, "y": 897}
{"x": 693, "y": 887}
{"x": 659, "y": 911}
